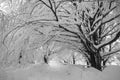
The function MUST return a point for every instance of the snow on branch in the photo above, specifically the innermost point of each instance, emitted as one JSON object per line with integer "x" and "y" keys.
{"x": 107, "y": 32}
{"x": 111, "y": 19}
{"x": 110, "y": 53}
{"x": 99, "y": 19}
{"x": 107, "y": 13}
{"x": 113, "y": 39}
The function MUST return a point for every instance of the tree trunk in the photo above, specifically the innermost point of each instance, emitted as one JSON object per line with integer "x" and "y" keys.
{"x": 96, "y": 61}
{"x": 45, "y": 59}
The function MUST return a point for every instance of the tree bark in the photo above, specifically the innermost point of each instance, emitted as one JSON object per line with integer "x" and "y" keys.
{"x": 96, "y": 61}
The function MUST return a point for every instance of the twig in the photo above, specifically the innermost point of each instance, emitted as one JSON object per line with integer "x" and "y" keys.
{"x": 45, "y": 3}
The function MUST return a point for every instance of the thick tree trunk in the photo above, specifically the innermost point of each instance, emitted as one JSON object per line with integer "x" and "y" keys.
{"x": 96, "y": 61}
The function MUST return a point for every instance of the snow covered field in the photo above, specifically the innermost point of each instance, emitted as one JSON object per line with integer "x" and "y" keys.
{"x": 66, "y": 72}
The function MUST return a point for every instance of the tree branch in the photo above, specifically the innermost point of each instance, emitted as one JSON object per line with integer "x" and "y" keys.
{"x": 48, "y": 40}
{"x": 9, "y": 32}
{"x": 34, "y": 8}
{"x": 85, "y": 37}
{"x": 54, "y": 3}
{"x": 105, "y": 29}
{"x": 102, "y": 23}
{"x": 67, "y": 35}
{"x": 97, "y": 27}
{"x": 59, "y": 4}
{"x": 110, "y": 53}
{"x": 65, "y": 10}
{"x": 113, "y": 32}
{"x": 111, "y": 3}
{"x": 51, "y": 8}
{"x": 107, "y": 13}
{"x": 111, "y": 19}
{"x": 113, "y": 39}
{"x": 75, "y": 33}
{"x": 45, "y": 4}
{"x": 76, "y": 47}
{"x": 50, "y": 4}
{"x": 107, "y": 32}
{"x": 97, "y": 20}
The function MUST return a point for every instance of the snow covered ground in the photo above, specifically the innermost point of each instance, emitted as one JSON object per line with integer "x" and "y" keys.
{"x": 66, "y": 72}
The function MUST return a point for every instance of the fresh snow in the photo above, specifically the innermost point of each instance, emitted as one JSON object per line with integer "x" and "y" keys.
{"x": 66, "y": 72}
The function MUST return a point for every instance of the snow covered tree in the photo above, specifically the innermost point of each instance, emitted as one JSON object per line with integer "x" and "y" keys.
{"x": 88, "y": 26}
{"x": 92, "y": 31}
{"x": 95, "y": 27}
